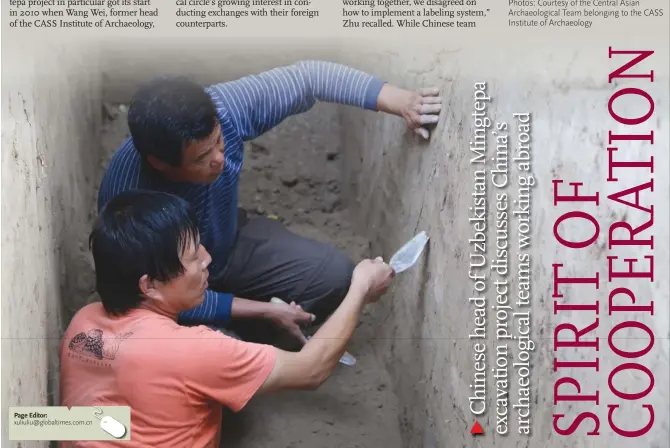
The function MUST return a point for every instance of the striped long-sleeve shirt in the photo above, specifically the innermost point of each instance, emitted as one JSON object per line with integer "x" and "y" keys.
{"x": 246, "y": 108}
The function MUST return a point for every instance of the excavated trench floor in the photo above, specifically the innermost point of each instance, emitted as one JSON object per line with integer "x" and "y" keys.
{"x": 293, "y": 174}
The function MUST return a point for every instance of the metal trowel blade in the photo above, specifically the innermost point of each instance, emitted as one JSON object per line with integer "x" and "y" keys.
{"x": 409, "y": 253}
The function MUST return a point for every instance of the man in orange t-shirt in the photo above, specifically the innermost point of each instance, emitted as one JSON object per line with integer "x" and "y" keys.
{"x": 129, "y": 350}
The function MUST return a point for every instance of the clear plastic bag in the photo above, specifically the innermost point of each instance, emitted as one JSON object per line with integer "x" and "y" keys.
{"x": 347, "y": 359}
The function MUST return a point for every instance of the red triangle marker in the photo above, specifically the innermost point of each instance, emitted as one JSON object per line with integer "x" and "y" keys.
{"x": 476, "y": 429}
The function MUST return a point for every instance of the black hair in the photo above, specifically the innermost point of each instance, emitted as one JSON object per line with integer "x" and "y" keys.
{"x": 168, "y": 113}
{"x": 139, "y": 232}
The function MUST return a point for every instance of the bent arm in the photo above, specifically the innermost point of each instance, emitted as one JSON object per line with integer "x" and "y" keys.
{"x": 215, "y": 309}
{"x": 220, "y": 308}
{"x": 259, "y": 102}
{"x": 310, "y": 367}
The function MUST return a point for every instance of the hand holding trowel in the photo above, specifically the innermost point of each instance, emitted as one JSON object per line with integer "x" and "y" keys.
{"x": 400, "y": 261}
{"x": 345, "y": 359}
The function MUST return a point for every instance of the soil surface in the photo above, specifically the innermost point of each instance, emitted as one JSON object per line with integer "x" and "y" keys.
{"x": 294, "y": 175}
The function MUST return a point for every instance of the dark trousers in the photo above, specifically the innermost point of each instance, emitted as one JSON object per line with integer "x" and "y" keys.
{"x": 270, "y": 261}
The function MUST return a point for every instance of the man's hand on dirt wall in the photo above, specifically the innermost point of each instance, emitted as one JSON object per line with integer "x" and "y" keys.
{"x": 418, "y": 109}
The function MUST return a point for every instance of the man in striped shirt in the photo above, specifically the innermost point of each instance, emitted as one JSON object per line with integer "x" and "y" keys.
{"x": 188, "y": 140}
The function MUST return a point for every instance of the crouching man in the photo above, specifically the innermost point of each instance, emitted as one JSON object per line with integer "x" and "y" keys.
{"x": 150, "y": 267}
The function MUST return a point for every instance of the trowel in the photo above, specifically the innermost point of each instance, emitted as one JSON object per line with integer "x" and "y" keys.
{"x": 409, "y": 253}
{"x": 346, "y": 359}
{"x": 400, "y": 261}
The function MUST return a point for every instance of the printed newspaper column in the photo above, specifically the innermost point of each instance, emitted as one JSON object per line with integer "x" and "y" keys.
{"x": 412, "y": 14}
{"x": 79, "y": 14}
{"x": 217, "y": 14}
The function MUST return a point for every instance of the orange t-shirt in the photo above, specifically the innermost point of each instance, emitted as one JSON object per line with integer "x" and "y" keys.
{"x": 174, "y": 378}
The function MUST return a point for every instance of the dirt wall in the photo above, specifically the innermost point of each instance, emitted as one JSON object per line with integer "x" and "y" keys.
{"x": 50, "y": 121}
{"x": 404, "y": 185}
{"x": 397, "y": 184}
